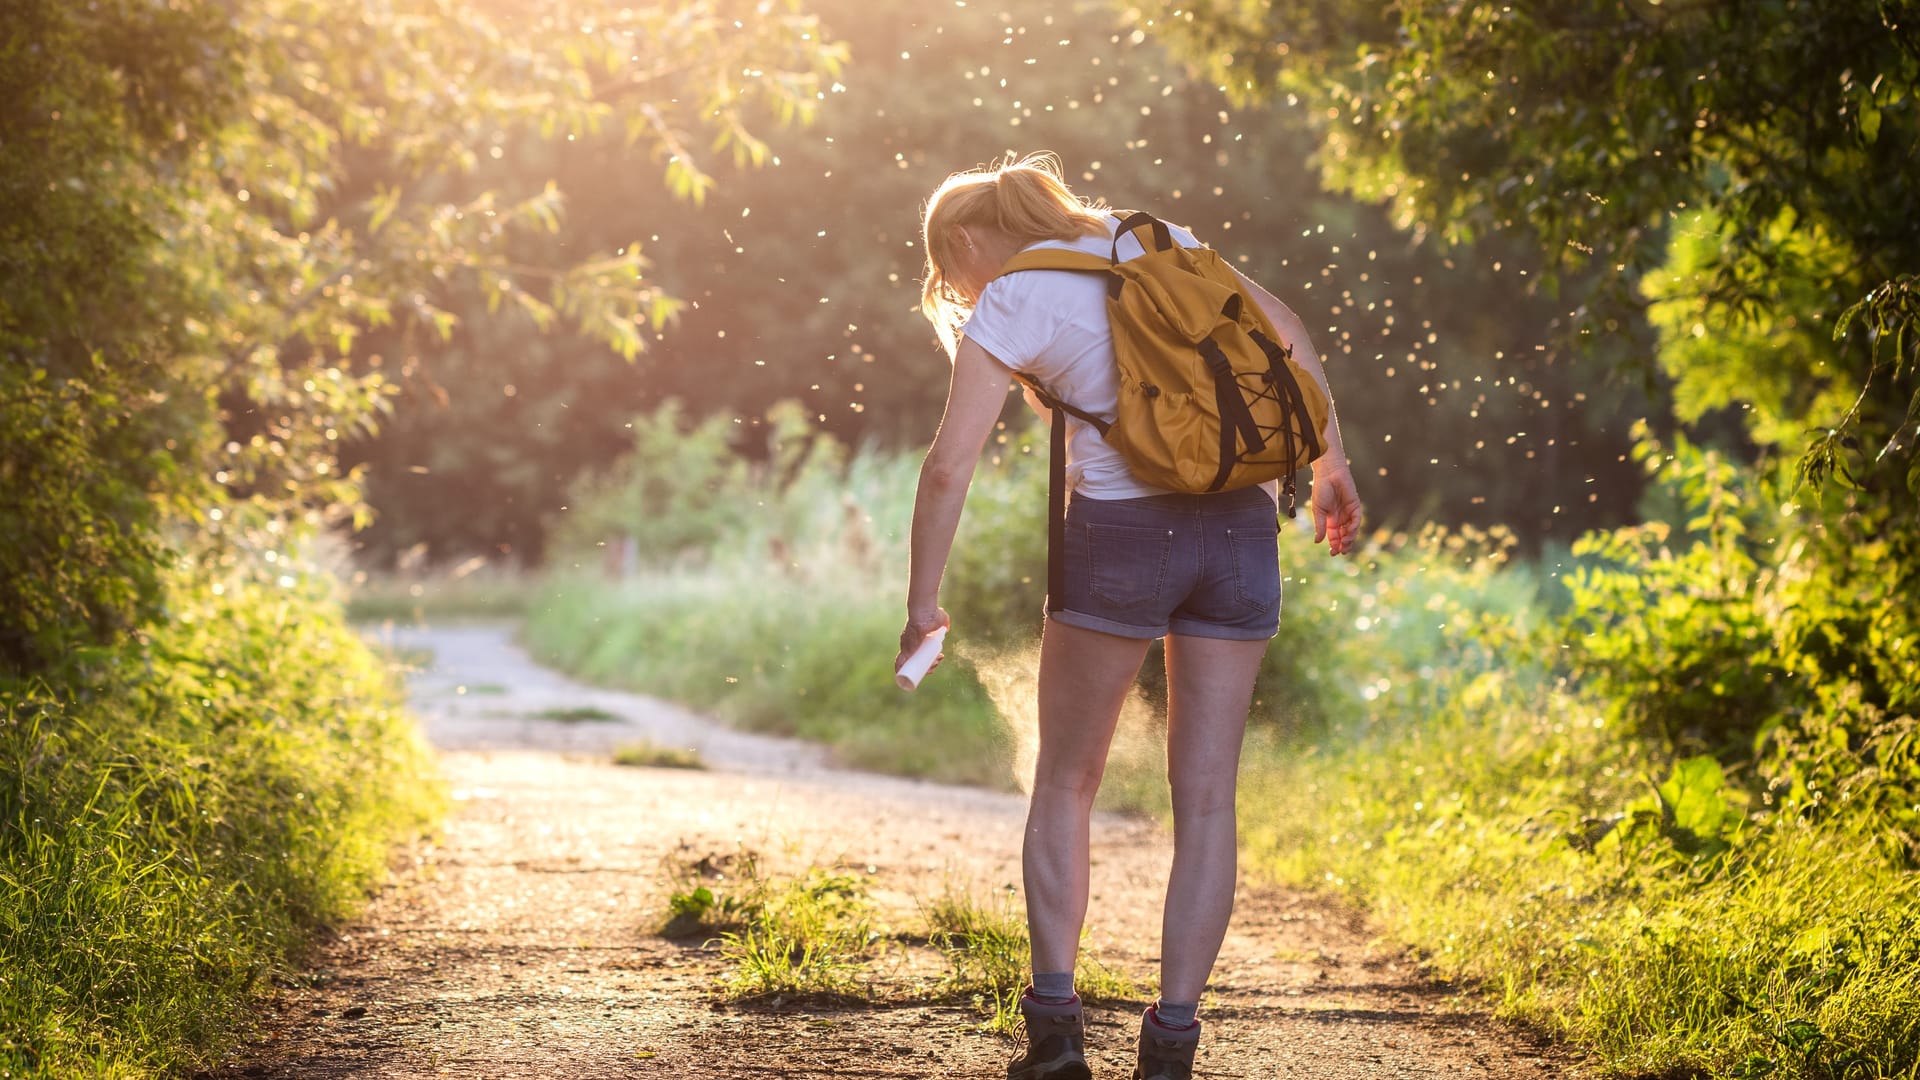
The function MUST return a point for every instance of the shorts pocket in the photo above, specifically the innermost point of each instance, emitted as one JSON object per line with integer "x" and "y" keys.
{"x": 1127, "y": 564}
{"x": 1256, "y": 566}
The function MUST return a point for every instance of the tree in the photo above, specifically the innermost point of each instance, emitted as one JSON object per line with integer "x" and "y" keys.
{"x": 208, "y": 205}
{"x": 1755, "y": 156}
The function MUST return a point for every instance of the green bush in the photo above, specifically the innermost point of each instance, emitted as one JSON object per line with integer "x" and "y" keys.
{"x": 1783, "y": 642}
{"x": 1648, "y": 909}
{"x": 1525, "y": 833}
{"x": 175, "y": 823}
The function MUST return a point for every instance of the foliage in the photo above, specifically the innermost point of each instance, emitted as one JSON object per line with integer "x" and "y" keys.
{"x": 173, "y": 832}
{"x": 804, "y": 936}
{"x": 989, "y": 957}
{"x": 653, "y": 756}
{"x": 1671, "y": 916}
{"x": 207, "y": 206}
{"x": 987, "y": 952}
{"x": 90, "y": 418}
{"x": 1674, "y": 639}
{"x": 682, "y": 485}
{"x": 1605, "y": 132}
{"x": 1889, "y": 312}
{"x": 464, "y": 591}
{"x": 1777, "y": 641}
{"x": 715, "y": 893}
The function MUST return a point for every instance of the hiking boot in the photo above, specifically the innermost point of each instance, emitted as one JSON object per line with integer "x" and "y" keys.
{"x": 1165, "y": 1053}
{"x": 1056, "y": 1042}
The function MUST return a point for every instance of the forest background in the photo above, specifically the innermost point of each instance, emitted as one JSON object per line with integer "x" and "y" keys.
{"x": 1616, "y": 717}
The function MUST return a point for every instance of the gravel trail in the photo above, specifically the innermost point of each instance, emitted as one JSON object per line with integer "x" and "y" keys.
{"x": 524, "y": 944}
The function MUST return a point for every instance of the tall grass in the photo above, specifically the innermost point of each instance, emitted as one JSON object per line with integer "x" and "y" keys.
{"x": 787, "y": 621}
{"x": 180, "y": 816}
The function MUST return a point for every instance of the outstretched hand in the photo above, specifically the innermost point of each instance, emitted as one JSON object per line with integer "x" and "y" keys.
{"x": 1336, "y": 509}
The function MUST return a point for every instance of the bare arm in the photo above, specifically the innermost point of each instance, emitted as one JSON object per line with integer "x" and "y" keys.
{"x": 973, "y": 405}
{"x": 1336, "y": 502}
{"x": 1293, "y": 333}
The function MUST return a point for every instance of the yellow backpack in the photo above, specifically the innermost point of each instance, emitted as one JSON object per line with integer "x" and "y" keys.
{"x": 1209, "y": 398}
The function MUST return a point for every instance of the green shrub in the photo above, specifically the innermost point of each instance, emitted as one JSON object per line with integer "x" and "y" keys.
{"x": 1672, "y": 915}
{"x": 1781, "y": 643}
{"x": 180, "y": 816}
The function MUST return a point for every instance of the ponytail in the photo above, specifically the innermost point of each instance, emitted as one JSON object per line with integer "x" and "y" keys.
{"x": 1024, "y": 198}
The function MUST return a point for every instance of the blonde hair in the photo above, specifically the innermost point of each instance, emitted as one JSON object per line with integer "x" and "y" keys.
{"x": 1024, "y": 198}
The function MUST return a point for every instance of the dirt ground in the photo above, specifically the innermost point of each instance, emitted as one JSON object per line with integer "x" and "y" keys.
{"x": 524, "y": 944}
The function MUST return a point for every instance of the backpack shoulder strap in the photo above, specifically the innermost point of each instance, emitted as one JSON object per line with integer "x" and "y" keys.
{"x": 1056, "y": 259}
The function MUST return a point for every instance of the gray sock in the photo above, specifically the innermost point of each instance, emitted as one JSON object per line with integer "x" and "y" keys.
{"x": 1053, "y": 987}
{"x": 1176, "y": 1014}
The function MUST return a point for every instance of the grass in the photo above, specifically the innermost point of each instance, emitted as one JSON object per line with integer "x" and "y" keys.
{"x": 989, "y": 958}
{"x": 816, "y": 936}
{"x": 419, "y": 597}
{"x": 1796, "y": 952}
{"x": 1489, "y": 815}
{"x": 578, "y": 714}
{"x": 788, "y": 620}
{"x": 802, "y": 937}
{"x": 987, "y": 954}
{"x": 172, "y": 835}
{"x": 807, "y": 938}
{"x": 654, "y": 756}
{"x": 813, "y": 661}
{"x": 714, "y": 894}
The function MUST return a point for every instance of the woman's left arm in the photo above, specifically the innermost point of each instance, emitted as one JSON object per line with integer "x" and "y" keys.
{"x": 1336, "y": 504}
{"x": 974, "y": 400}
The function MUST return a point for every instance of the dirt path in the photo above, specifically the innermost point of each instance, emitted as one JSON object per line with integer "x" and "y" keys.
{"x": 524, "y": 946}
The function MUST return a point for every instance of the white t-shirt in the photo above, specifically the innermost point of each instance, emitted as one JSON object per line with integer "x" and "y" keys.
{"x": 1051, "y": 325}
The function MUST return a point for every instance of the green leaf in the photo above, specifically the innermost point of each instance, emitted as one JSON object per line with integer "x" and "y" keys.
{"x": 1869, "y": 120}
{"x": 382, "y": 206}
{"x": 1801, "y": 1036}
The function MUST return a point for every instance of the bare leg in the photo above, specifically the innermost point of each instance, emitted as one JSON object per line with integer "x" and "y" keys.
{"x": 1084, "y": 679}
{"x": 1209, "y": 690}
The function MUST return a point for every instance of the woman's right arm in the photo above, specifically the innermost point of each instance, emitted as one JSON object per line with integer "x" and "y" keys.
{"x": 973, "y": 405}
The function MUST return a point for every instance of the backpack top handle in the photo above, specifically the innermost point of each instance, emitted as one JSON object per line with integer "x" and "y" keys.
{"x": 1139, "y": 219}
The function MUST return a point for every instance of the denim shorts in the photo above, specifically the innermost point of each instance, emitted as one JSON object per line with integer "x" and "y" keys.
{"x": 1202, "y": 565}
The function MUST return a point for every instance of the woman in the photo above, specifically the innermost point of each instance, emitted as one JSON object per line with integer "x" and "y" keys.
{"x": 1200, "y": 570}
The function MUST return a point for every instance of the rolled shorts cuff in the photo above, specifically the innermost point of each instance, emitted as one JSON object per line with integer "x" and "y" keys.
{"x": 1183, "y": 627}
{"x": 1191, "y": 628}
{"x": 1106, "y": 626}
